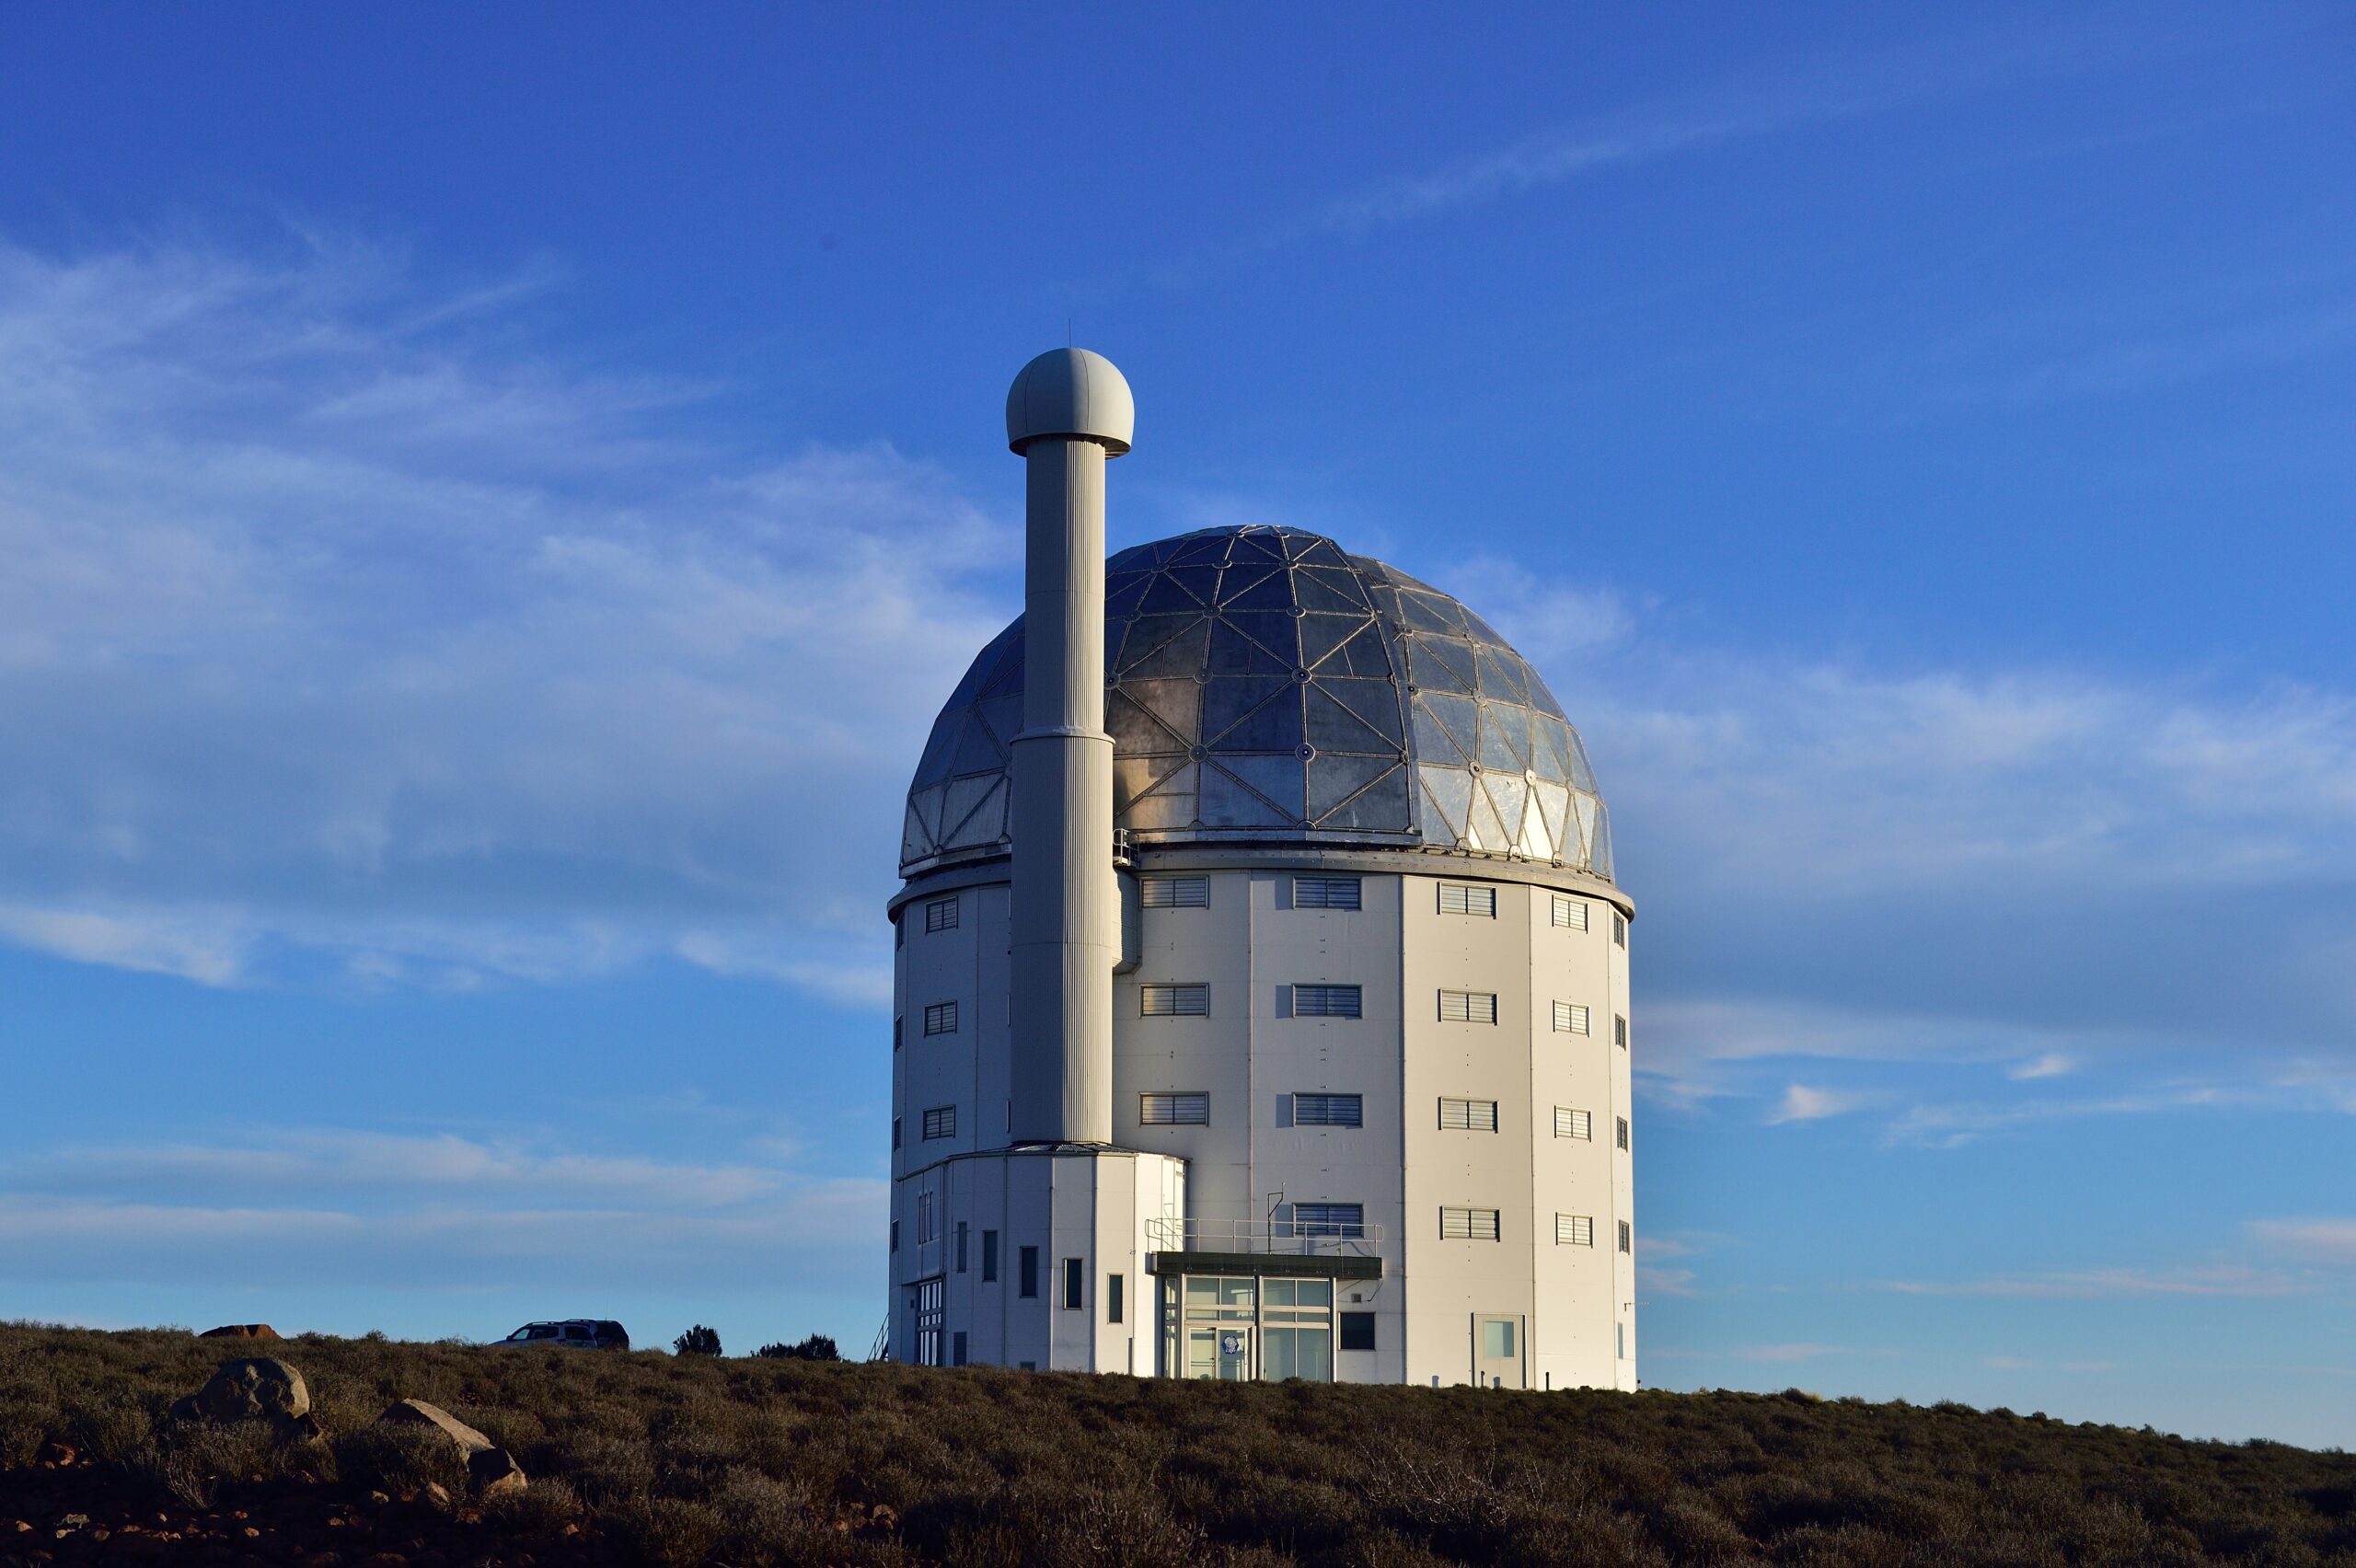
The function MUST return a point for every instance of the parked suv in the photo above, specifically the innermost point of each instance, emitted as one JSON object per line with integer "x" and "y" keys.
{"x": 573, "y": 1334}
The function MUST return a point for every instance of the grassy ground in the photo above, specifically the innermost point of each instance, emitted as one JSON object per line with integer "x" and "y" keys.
{"x": 749, "y": 1462}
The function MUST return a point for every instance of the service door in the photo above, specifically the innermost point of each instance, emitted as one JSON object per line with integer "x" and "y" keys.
{"x": 1499, "y": 1352}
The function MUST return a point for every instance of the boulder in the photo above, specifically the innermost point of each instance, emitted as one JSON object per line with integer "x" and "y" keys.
{"x": 257, "y": 1389}
{"x": 241, "y": 1331}
{"x": 494, "y": 1472}
{"x": 417, "y": 1413}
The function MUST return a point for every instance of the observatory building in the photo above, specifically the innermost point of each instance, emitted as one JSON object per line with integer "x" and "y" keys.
{"x": 1261, "y": 984}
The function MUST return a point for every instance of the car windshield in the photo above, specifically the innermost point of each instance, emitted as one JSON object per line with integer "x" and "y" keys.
{"x": 541, "y": 1330}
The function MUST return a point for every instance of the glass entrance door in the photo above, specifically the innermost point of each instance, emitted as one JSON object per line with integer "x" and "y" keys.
{"x": 1220, "y": 1353}
{"x": 1498, "y": 1353}
{"x": 1238, "y": 1327}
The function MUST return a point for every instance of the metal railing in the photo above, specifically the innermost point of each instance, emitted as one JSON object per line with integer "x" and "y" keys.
{"x": 1283, "y": 1236}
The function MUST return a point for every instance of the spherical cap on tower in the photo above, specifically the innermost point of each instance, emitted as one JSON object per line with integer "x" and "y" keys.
{"x": 1071, "y": 393}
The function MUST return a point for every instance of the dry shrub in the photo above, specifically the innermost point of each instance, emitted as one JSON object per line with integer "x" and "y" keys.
{"x": 538, "y": 1507}
{"x": 399, "y": 1458}
{"x": 671, "y": 1532}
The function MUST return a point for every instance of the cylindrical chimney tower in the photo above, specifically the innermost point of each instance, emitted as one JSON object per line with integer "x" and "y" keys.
{"x": 1069, "y": 412}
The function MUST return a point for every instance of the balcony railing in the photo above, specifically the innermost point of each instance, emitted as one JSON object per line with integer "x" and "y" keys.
{"x": 1279, "y": 1237}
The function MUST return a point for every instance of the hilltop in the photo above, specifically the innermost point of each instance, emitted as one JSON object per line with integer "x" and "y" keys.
{"x": 640, "y": 1456}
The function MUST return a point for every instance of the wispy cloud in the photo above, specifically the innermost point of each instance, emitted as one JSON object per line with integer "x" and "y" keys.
{"x": 2052, "y": 1064}
{"x": 2318, "y": 1240}
{"x": 1804, "y": 1103}
{"x": 2223, "y": 1279}
{"x": 290, "y": 1208}
{"x": 339, "y": 631}
{"x": 1833, "y": 87}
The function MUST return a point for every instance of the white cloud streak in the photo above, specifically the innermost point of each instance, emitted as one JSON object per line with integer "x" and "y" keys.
{"x": 2224, "y": 1280}
{"x": 329, "y": 636}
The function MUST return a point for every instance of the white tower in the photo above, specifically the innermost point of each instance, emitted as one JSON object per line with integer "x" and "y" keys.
{"x": 1262, "y": 984}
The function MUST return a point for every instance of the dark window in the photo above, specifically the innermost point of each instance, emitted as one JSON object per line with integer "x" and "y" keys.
{"x": 1325, "y": 893}
{"x": 1329, "y": 1219}
{"x": 1026, "y": 1272}
{"x": 941, "y": 1122}
{"x": 1620, "y": 930}
{"x": 1075, "y": 1283}
{"x": 1627, "y": 1238}
{"x": 1468, "y": 1115}
{"x": 1189, "y": 1000}
{"x": 941, "y": 915}
{"x": 990, "y": 1257}
{"x": 1174, "y": 1109}
{"x": 1620, "y": 1029}
{"x": 896, "y": 1132}
{"x": 1113, "y": 1302}
{"x": 1357, "y": 1330}
{"x": 896, "y": 1236}
{"x": 900, "y": 929}
{"x": 1468, "y": 1006}
{"x": 1624, "y": 1131}
{"x": 961, "y": 1246}
{"x": 1325, "y": 1001}
{"x": 1468, "y": 1225}
{"x": 895, "y": 1034}
{"x": 1175, "y": 893}
{"x": 1458, "y": 900}
{"x": 1328, "y": 1110}
{"x": 941, "y": 1017}
{"x": 958, "y": 1348}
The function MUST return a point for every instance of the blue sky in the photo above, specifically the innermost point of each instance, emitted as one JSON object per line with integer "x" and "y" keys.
{"x": 491, "y": 500}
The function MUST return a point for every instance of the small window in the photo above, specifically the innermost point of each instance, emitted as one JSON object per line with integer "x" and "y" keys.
{"x": 896, "y": 1132}
{"x": 1357, "y": 1330}
{"x": 1627, "y": 1238}
{"x": 1026, "y": 1272}
{"x": 1620, "y": 1334}
{"x": 1115, "y": 1303}
{"x": 1468, "y": 1006}
{"x": 1620, "y": 928}
{"x": 990, "y": 1257}
{"x": 1325, "y": 893}
{"x": 1468, "y": 1225}
{"x": 1624, "y": 1131}
{"x": 1075, "y": 1283}
{"x": 900, "y": 929}
{"x": 1181, "y": 1110}
{"x": 896, "y": 1236}
{"x": 958, "y": 1348}
{"x": 1326, "y": 1001}
{"x": 1570, "y": 1124}
{"x": 895, "y": 1034}
{"x": 941, "y": 1017}
{"x": 1457, "y": 899}
{"x": 1620, "y": 1030}
{"x": 1574, "y": 1230}
{"x": 1570, "y": 913}
{"x": 1175, "y": 893}
{"x": 1174, "y": 1001}
{"x": 1496, "y": 1338}
{"x": 927, "y": 1224}
{"x": 941, "y": 1122}
{"x": 1328, "y": 1110}
{"x": 1570, "y": 1018}
{"x": 1468, "y": 1115}
{"x": 1347, "y": 1220}
{"x": 961, "y": 1246}
{"x": 941, "y": 915}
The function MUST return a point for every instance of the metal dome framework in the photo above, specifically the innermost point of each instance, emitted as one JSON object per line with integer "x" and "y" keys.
{"x": 1265, "y": 686}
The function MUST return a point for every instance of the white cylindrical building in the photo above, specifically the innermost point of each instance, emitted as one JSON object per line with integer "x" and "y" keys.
{"x": 1360, "y": 1107}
